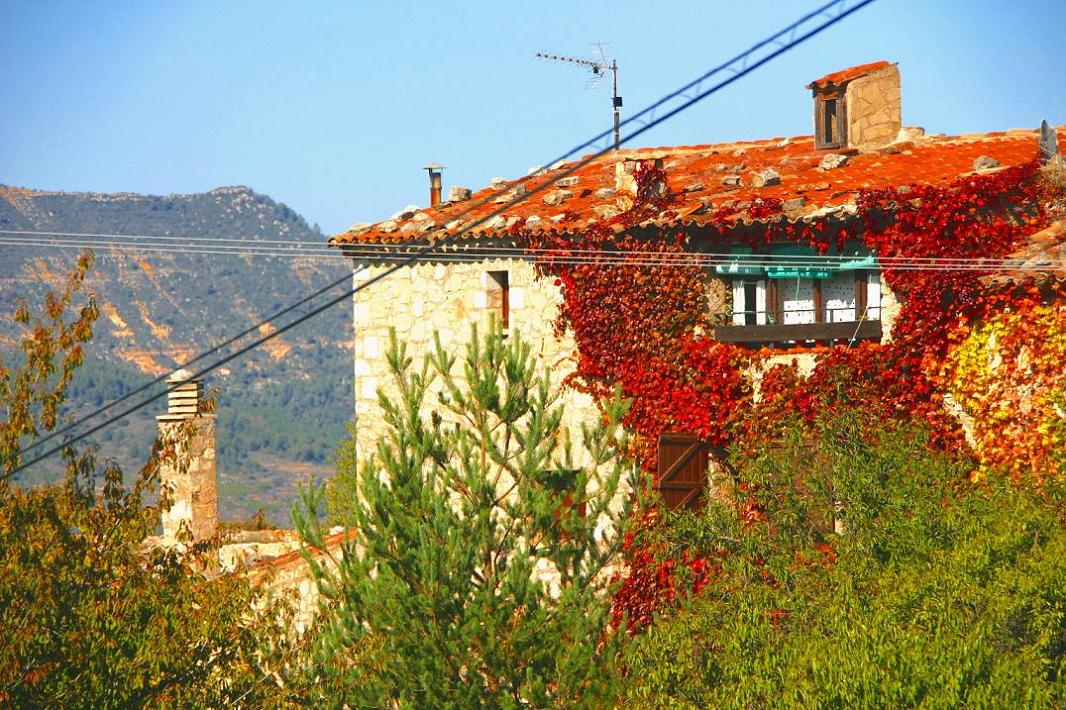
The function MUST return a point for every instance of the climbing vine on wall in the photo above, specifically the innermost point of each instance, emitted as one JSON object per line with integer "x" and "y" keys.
{"x": 646, "y": 325}
{"x": 642, "y": 324}
{"x": 1009, "y": 378}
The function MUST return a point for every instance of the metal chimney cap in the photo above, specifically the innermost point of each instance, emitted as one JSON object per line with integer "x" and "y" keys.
{"x": 433, "y": 166}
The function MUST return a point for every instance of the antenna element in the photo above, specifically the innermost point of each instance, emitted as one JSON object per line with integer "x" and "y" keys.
{"x": 599, "y": 69}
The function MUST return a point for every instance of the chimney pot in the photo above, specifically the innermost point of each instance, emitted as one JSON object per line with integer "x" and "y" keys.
{"x": 183, "y": 397}
{"x": 435, "y": 171}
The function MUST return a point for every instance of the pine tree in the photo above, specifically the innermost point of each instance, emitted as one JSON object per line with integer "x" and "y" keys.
{"x": 480, "y": 563}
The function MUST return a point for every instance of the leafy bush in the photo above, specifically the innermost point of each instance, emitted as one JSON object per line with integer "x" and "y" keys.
{"x": 91, "y": 615}
{"x": 860, "y": 569}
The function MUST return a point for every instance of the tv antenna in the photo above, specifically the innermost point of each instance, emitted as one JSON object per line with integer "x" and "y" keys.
{"x": 599, "y": 66}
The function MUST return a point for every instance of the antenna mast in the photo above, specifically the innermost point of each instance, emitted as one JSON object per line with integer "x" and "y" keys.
{"x": 599, "y": 68}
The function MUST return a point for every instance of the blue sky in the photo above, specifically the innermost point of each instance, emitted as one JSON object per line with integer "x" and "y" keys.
{"x": 334, "y": 107}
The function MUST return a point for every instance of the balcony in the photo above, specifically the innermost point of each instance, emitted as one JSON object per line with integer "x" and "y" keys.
{"x": 762, "y": 328}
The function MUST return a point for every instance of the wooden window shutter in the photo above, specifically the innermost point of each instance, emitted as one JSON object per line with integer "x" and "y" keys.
{"x": 861, "y": 285}
{"x": 818, "y": 300}
{"x": 682, "y": 470}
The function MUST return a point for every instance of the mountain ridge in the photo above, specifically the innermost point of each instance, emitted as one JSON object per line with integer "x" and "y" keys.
{"x": 288, "y": 402}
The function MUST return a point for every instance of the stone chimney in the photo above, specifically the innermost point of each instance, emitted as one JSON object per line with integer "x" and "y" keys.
{"x": 857, "y": 108}
{"x": 191, "y": 473}
{"x": 625, "y": 179}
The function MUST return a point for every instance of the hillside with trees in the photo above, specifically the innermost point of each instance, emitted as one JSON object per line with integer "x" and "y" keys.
{"x": 282, "y": 409}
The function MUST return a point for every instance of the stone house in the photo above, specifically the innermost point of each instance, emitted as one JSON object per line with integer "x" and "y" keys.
{"x": 859, "y": 143}
{"x": 274, "y": 558}
{"x": 795, "y": 309}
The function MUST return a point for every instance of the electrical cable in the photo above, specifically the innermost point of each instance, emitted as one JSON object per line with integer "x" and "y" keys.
{"x": 367, "y": 250}
{"x": 201, "y": 356}
{"x": 745, "y": 69}
{"x": 632, "y": 257}
{"x": 482, "y": 251}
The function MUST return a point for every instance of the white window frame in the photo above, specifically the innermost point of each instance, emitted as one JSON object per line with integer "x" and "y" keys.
{"x": 739, "y": 305}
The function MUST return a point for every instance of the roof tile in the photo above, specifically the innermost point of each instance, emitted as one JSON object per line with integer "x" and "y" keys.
{"x": 695, "y": 175}
{"x": 845, "y": 75}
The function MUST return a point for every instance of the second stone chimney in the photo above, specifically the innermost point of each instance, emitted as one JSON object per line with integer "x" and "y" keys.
{"x": 857, "y": 107}
{"x": 191, "y": 472}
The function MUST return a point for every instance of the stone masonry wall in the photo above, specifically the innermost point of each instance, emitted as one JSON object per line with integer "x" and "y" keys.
{"x": 873, "y": 109}
{"x": 889, "y": 311}
{"x": 448, "y": 298}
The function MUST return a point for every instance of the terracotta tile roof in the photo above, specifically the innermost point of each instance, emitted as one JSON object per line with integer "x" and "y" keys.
{"x": 699, "y": 179}
{"x": 845, "y": 75}
{"x": 295, "y": 557}
{"x": 1045, "y": 249}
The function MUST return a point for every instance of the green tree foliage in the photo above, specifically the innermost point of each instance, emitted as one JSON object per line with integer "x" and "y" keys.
{"x": 92, "y": 618}
{"x": 91, "y": 615}
{"x": 278, "y": 417}
{"x": 859, "y": 569}
{"x": 52, "y": 350}
{"x": 478, "y": 573}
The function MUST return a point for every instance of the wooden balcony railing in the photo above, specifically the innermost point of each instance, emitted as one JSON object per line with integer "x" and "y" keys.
{"x": 773, "y": 331}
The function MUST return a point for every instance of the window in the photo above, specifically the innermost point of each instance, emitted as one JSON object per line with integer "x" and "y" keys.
{"x": 799, "y": 300}
{"x": 829, "y": 122}
{"x": 499, "y": 297}
{"x": 796, "y": 301}
{"x": 751, "y": 291}
{"x": 749, "y": 302}
{"x": 869, "y": 284}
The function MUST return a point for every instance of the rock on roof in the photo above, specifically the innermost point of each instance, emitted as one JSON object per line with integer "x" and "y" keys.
{"x": 703, "y": 179}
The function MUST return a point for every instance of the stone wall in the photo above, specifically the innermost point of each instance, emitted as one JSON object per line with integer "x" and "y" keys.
{"x": 719, "y": 301}
{"x": 447, "y": 298}
{"x": 873, "y": 109}
{"x": 288, "y": 578}
{"x": 889, "y": 310}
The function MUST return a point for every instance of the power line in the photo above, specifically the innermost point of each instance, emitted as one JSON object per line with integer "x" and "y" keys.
{"x": 605, "y": 257}
{"x": 169, "y": 237}
{"x": 320, "y": 255}
{"x": 199, "y": 357}
{"x": 793, "y": 35}
{"x": 394, "y": 251}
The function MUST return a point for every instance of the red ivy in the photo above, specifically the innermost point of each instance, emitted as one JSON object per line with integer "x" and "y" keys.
{"x": 643, "y": 324}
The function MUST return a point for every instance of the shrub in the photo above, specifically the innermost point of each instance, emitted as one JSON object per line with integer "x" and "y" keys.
{"x": 860, "y": 569}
